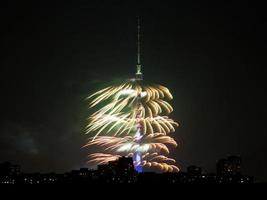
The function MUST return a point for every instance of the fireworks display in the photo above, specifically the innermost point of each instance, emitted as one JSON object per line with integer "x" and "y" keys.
{"x": 131, "y": 119}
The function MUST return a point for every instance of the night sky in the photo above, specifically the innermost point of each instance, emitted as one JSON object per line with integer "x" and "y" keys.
{"x": 210, "y": 56}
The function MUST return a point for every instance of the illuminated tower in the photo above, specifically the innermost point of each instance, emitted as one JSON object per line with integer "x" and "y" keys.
{"x": 131, "y": 120}
{"x": 137, "y": 158}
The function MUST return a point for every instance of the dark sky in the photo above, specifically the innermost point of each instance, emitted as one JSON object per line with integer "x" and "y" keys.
{"x": 211, "y": 56}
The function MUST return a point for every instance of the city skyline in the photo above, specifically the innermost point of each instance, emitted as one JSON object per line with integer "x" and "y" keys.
{"x": 122, "y": 170}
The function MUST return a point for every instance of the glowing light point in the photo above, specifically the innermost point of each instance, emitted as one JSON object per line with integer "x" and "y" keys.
{"x": 137, "y": 159}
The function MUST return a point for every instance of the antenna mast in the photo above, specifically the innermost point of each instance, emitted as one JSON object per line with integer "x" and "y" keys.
{"x": 139, "y": 75}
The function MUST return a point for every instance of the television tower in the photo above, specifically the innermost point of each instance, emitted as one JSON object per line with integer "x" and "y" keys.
{"x": 139, "y": 129}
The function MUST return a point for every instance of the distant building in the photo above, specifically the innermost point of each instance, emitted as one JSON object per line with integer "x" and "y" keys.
{"x": 121, "y": 170}
{"x": 9, "y": 169}
{"x": 229, "y": 166}
{"x": 229, "y": 171}
{"x": 9, "y": 173}
{"x": 123, "y": 165}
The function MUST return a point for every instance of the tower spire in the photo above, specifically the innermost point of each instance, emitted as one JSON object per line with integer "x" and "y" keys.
{"x": 139, "y": 75}
{"x": 138, "y": 40}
